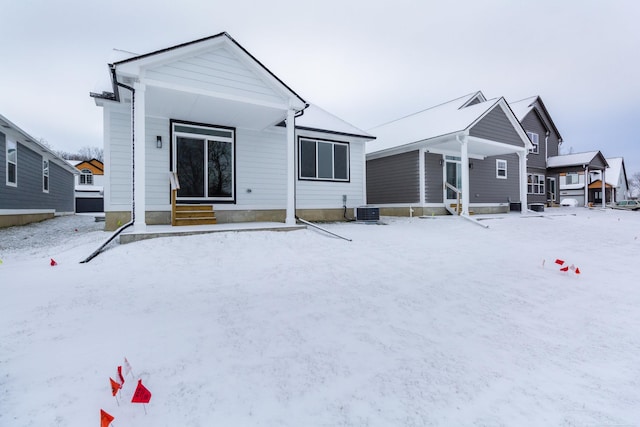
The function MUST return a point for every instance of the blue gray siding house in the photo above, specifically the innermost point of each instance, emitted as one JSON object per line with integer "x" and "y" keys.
{"x": 542, "y": 183}
{"x": 35, "y": 184}
{"x": 465, "y": 156}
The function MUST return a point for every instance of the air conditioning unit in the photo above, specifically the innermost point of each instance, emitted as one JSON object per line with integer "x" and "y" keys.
{"x": 367, "y": 213}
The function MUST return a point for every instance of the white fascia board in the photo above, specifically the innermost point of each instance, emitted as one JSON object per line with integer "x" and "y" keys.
{"x": 164, "y": 85}
{"x": 135, "y": 68}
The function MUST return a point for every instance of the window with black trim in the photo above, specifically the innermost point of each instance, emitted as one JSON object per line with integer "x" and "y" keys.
{"x": 45, "y": 175}
{"x": 323, "y": 160}
{"x": 12, "y": 163}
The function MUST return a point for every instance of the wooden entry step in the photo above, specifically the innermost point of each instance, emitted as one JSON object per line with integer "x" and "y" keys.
{"x": 194, "y": 215}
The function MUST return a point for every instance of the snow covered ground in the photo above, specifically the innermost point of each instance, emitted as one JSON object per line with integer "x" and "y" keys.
{"x": 417, "y": 322}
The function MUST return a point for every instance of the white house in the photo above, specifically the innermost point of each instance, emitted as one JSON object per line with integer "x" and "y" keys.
{"x": 237, "y": 137}
{"x": 616, "y": 182}
{"x": 89, "y": 185}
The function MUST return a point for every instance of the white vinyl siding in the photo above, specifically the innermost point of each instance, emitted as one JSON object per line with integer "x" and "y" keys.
{"x": 158, "y": 196}
{"x": 12, "y": 163}
{"x": 120, "y": 158}
{"x": 216, "y": 71}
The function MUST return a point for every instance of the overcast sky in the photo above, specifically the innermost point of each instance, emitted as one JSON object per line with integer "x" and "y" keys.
{"x": 366, "y": 61}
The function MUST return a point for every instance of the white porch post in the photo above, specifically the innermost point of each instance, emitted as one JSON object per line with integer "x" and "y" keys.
{"x": 586, "y": 186}
{"x": 139, "y": 136}
{"x": 464, "y": 151}
{"x": 291, "y": 167}
{"x": 604, "y": 191}
{"x": 522, "y": 156}
{"x": 421, "y": 162}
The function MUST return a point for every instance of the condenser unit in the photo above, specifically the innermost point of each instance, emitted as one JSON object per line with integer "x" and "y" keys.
{"x": 367, "y": 213}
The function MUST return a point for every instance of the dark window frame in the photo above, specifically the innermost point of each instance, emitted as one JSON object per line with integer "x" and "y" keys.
{"x": 320, "y": 144}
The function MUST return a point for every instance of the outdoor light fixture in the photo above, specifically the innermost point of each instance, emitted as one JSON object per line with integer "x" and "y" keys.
{"x": 470, "y": 165}
{"x": 441, "y": 161}
{"x": 158, "y": 141}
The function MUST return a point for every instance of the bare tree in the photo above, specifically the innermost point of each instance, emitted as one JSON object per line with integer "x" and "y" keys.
{"x": 88, "y": 153}
{"x": 634, "y": 184}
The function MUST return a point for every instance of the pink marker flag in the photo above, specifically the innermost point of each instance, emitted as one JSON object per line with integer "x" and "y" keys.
{"x": 565, "y": 268}
{"x": 141, "y": 395}
{"x": 559, "y": 261}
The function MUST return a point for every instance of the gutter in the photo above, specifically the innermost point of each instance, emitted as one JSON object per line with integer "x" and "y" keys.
{"x": 116, "y": 83}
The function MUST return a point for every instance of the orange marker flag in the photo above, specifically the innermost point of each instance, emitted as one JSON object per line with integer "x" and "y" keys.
{"x": 141, "y": 395}
{"x": 577, "y": 270}
{"x": 114, "y": 386}
{"x": 565, "y": 268}
{"x": 105, "y": 419}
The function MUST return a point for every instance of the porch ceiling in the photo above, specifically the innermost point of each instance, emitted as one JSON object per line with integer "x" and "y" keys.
{"x": 477, "y": 147}
{"x": 194, "y": 107}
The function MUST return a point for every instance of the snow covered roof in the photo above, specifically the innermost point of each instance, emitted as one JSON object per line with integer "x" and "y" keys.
{"x": 572, "y": 159}
{"x": 523, "y": 107}
{"x": 315, "y": 118}
{"x": 612, "y": 173}
{"x": 443, "y": 119}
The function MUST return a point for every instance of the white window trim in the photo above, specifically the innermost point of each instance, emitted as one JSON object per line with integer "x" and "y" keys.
{"x": 498, "y": 168}
{"x": 84, "y": 173}
{"x": 325, "y": 141}
{"x": 45, "y": 175}
{"x": 535, "y": 141}
{"x": 536, "y": 188}
{"x": 14, "y": 143}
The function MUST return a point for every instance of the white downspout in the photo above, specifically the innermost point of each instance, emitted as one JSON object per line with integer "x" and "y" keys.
{"x": 291, "y": 167}
{"x": 586, "y": 186}
{"x": 464, "y": 151}
{"x": 604, "y": 189}
{"x": 522, "y": 157}
{"x": 422, "y": 173}
{"x": 140, "y": 156}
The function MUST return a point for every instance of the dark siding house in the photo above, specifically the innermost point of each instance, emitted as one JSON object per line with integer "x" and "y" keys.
{"x": 542, "y": 183}
{"x": 35, "y": 184}
{"x": 464, "y": 156}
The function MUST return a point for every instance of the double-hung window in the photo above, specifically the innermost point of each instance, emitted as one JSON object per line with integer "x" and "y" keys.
{"x": 45, "y": 175}
{"x": 86, "y": 177}
{"x": 535, "y": 183}
{"x": 12, "y": 163}
{"x": 323, "y": 160}
{"x": 501, "y": 169}
{"x": 534, "y": 141}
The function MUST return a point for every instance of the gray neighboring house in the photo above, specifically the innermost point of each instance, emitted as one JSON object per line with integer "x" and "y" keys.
{"x": 35, "y": 183}
{"x": 542, "y": 184}
{"x": 574, "y": 171}
{"x": 465, "y": 156}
